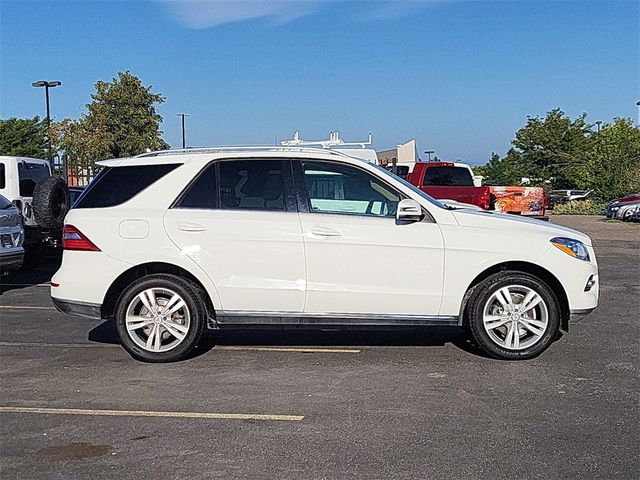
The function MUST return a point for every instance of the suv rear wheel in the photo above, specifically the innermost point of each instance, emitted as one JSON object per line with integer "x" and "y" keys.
{"x": 160, "y": 318}
{"x": 513, "y": 315}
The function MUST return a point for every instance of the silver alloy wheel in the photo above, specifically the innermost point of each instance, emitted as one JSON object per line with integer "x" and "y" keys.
{"x": 157, "y": 319}
{"x": 515, "y": 317}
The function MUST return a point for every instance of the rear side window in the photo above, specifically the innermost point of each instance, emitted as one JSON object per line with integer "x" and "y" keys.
{"x": 457, "y": 176}
{"x": 239, "y": 185}
{"x": 115, "y": 185}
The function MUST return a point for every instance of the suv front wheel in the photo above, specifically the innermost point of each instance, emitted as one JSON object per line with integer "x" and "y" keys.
{"x": 160, "y": 318}
{"x": 513, "y": 315}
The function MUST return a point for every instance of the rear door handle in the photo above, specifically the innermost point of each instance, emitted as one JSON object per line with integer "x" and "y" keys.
{"x": 191, "y": 227}
{"x": 325, "y": 231}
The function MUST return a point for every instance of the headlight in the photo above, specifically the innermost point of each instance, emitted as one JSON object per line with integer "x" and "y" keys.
{"x": 571, "y": 247}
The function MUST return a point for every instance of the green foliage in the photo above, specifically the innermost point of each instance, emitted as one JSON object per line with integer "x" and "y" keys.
{"x": 581, "y": 207}
{"x": 121, "y": 121}
{"x": 558, "y": 153}
{"x": 23, "y": 137}
{"x": 613, "y": 161}
{"x": 499, "y": 171}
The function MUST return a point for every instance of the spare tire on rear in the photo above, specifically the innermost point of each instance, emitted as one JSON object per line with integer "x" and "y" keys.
{"x": 50, "y": 202}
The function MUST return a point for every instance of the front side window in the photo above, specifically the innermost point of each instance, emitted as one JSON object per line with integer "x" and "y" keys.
{"x": 344, "y": 189}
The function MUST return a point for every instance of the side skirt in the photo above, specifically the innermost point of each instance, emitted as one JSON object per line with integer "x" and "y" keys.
{"x": 233, "y": 318}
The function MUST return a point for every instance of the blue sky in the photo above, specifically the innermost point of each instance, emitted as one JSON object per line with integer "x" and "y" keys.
{"x": 459, "y": 76}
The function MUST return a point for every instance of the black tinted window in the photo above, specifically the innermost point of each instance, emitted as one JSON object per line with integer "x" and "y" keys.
{"x": 3, "y": 182}
{"x": 252, "y": 184}
{"x": 116, "y": 185}
{"x": 28, "y": 175}
{"x": 458, "y": 176}
{"x": 204, "y": 191}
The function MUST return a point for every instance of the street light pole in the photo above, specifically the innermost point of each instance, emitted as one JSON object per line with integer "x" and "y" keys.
{"x": 47, "y": 85}
{"x": 429, "y": 152}
{"x": 638, "y": 105}
{"x": 184, "y": 138}
{"x": 598, "y": 123}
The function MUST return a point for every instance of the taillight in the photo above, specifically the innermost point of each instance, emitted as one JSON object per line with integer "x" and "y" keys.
{"x": 485, "y": 200}
{"x": 74, "y": 239}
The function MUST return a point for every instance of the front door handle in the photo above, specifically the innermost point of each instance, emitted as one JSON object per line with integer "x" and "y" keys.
{"x": 325, "y": 231}
{"x": 191, "y": 227}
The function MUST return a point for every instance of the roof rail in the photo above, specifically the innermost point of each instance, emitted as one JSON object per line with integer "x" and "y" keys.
{"x": 231, "y": 148}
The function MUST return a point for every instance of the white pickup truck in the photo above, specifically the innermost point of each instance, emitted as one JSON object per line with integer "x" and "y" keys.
{"x": 42, "y": 198}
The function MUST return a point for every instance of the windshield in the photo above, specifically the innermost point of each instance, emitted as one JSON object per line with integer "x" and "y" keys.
{"x": 415, "y": 189}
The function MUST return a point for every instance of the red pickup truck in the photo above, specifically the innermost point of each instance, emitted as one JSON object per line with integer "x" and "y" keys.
{"x": 455, "y": 181}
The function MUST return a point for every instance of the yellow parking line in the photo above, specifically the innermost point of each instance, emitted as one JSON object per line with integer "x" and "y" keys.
{"x": 221, "y": 347}
{"x": 143, "y": 413}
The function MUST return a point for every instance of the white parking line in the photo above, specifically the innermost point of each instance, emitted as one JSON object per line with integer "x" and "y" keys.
{"x": 221, "y": 347}
{"x": 144, "y": 413}
{"x": 290, "y": 349}
{"x": 58, "y": 345}
{"x": 19, "y": 307}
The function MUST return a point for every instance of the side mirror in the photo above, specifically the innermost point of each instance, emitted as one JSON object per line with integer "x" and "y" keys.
{"x": 409, "y": 210}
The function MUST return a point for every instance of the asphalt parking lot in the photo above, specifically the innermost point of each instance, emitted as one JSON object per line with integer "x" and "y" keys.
{"x": 421, "y": 404}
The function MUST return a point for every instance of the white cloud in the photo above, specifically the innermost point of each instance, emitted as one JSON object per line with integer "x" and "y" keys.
{"x": 210, "y": 13}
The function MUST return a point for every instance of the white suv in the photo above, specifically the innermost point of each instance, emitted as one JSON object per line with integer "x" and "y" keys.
{"x": 171, "y": 243}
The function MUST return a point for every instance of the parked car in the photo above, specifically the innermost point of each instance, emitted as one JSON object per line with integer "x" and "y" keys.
{"x": 455, "y": 181}
{"x": 43, "y": 200}
{"x": 176, "y": 242}
{"x": 618, "y": 208}
{"x": 11, "y": 237}
{"x": 558, "y": 197}
{"x": 635, "y": 216}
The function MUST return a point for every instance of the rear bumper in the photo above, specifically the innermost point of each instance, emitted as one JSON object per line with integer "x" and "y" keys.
{"x": 81, "y": 309}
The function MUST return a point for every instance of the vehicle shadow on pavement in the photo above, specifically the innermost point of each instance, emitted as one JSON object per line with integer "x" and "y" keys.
{"x": 29, "y": 276}
{"x": 414, "y": 337}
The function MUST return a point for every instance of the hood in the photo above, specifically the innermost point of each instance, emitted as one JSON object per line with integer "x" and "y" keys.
{"x": 514, "y": 224}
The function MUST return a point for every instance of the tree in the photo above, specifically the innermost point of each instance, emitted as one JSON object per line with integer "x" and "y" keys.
{"x": 613, "y": 160}
{"x": 499, "y": 171}
{"x": 120, "y": 121}
{"x": 23, "y": 137}
{"x": 553, "y": 148}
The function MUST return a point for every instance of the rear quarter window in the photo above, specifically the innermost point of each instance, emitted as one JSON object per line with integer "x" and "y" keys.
{"x": 116, "y": 185}
{"x": 3, "y": 181}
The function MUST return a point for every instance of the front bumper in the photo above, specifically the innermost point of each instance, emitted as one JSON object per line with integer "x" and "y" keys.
{"x": 80, "y": 309}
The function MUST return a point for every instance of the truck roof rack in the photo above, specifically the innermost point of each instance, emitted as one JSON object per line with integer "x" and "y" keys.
{"x": 221, "y": 149}
{"x": 296, "y": 144}
{"x": 333, "y": 141}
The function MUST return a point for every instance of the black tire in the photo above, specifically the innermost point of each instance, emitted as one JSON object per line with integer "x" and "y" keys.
{"x": 50, "y": 202}
{"x": 481, "y": 295}
{"x": 194, "y": 301}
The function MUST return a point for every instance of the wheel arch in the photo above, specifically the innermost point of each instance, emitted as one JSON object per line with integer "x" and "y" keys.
{"x": 531, "y": 268}
{"x": 132, "y": 274}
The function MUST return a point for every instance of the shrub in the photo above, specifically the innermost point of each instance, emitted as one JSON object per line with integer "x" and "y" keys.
{"x": 581, "y": 207}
